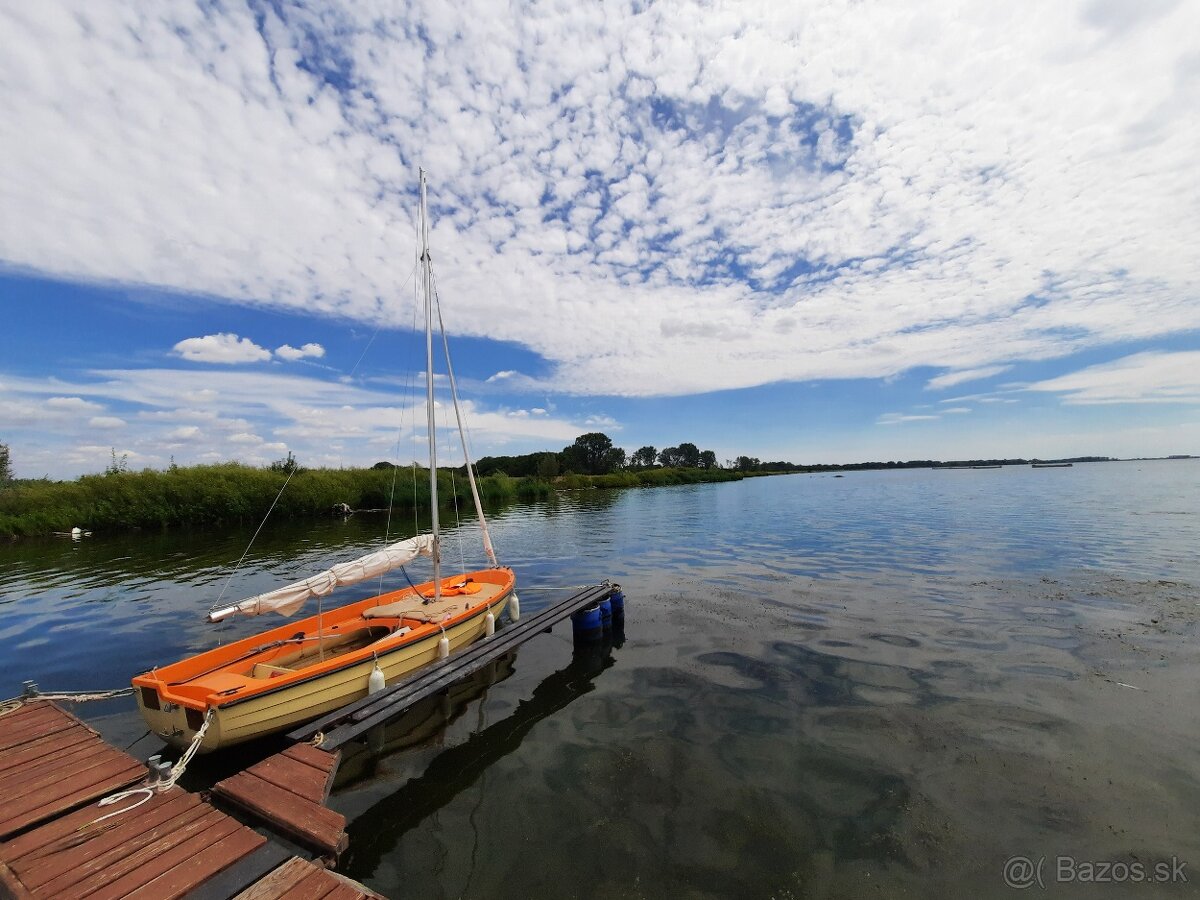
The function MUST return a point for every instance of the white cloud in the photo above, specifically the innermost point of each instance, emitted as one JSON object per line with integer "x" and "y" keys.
{"x": 957, "y": 409}
{"x": 501, "y": 376}
{"x": 1154, "y": 377}
{"x": 197, "y": 415}
{"x": 290, "y": 353}
{"x": 71, "y": 405}
{"x": 221, "y": 348}
{"x": 106, "y": 422}
{"x": 744, "y": 194}
{"x": 952, "y": 378}
{"x": 900, "y": 418}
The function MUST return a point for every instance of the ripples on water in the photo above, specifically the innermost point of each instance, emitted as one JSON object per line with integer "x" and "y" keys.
{"x": 890, "y": 681}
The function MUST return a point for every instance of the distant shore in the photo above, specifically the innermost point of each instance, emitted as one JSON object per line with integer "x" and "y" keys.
{"x": 231, "y": 493}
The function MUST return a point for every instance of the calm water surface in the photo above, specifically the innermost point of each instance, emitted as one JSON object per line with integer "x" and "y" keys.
{"x": 885, "y": 684}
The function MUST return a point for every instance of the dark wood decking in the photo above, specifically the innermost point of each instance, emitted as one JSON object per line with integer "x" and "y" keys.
{"x": 297, "y": 878}
{"x": 51, "y": 763}
{"x": 288, "y": 793}
{"x": 169, "y": 845}
{"x": 174, "y": 844}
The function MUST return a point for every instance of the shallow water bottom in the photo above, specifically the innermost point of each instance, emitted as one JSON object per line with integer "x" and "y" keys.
{"x": 815, "y": 739}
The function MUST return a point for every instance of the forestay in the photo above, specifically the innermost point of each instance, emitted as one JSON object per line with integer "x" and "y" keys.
{"x": 288, "y": 600}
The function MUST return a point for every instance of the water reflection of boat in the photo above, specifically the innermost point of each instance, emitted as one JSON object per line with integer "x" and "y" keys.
{"x": 377, "y": 830}
{"x": 277, "y": 679}
{"x": 419, "y": 723}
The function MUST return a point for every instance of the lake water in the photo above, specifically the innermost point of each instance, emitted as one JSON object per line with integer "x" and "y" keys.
{"x": 887, "y": 684}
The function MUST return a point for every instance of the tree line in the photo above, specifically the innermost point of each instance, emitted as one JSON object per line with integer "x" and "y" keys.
{"x": 595, "y": 454}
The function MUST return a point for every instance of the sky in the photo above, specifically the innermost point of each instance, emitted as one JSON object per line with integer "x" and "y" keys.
{"x": 819, "y": 232}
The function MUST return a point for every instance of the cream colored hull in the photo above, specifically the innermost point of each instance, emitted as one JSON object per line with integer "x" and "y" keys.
{"x": 291, "y": 706}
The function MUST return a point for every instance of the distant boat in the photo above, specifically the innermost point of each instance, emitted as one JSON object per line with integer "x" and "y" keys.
{"x": 1051, "y": 465}
{"x": 277, "y": 679}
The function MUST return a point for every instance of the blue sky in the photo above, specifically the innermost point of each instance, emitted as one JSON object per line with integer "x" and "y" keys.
{"x": 822, "y": 233}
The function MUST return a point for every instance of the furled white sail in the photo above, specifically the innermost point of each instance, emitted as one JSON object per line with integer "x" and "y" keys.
{"x": 287, "y": 600}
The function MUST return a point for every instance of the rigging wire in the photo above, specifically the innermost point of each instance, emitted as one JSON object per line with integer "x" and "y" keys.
{"x": 464, "y": 429}
{"x": 254, "y": 538}
{"x": 367, "y": 348}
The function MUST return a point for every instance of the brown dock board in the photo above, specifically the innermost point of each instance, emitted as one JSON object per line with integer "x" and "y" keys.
{"x": 172, "y": 843}
{"x": 165, "y": 846}
{"x": 53, "y": 763}
{"x": 297, "y": 817}
{"x": 322, "y": 761}
{"x": 297, "y": 879}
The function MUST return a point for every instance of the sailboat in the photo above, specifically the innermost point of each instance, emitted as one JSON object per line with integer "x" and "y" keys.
{"x": 277, "y": 679}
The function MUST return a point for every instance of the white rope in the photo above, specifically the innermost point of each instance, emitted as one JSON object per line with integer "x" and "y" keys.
{"x": 14, "y": 703}
{"x": 160, "y": 787}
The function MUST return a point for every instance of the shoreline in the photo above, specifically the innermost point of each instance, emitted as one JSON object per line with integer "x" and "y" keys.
{"x": 230, "y": 493}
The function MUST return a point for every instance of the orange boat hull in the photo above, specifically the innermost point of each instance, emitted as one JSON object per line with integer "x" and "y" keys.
{"x": 281, "y": 678}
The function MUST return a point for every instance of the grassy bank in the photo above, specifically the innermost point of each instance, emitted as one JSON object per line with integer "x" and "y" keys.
{"x": 232, "y": 493}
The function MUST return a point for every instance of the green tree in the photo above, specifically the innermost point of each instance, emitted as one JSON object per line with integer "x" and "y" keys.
{"x": 708, "y": 459}
{"x": 689, "y": 456}
{"x": 747, "y": 463}
{"x": 287, "y": 465}
{"x": 643, "y": 457}
{"x": 119, "y": 464}
{"x": 592, "y": 454}
{"x": 547, "y": 465}
{"x": 5, "y": 465}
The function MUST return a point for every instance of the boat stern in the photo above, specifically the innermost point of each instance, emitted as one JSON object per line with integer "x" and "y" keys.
{"x": 175, "y": 723}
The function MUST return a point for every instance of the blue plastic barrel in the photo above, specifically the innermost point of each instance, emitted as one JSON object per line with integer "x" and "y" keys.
{"x": 588, "y": 624}
{"x": 617, "y": 600}
{"x": 606, "y": 614}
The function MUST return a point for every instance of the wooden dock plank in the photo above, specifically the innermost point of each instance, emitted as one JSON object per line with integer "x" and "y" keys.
{"x": 247, "y": 871}
{"x": 71, "y": 829}
{"x": 31, "y": 730}
{"x": 279, "y": 882}
{"x": 104, "y": 852}
{"x": 68, "y": 794}
{"x": 52, "y": 766}
{"x": 87, "y": 878}
{"x": 298, "y": 878}
{"x": 52, "y": 763}
{"x": 313, "y": 886}
{"x": 323, "y": 761}
{"x": 27, "y": 711}
{"x": 306, "y": 822}
{"x": 179, "y": 879}
{"x": 153, "y": 862}
{"x": 36, "y": 777}
{"x": 37, "y": 749}
{"x": 295, "y": 777}
{"x": 10, "y": 885}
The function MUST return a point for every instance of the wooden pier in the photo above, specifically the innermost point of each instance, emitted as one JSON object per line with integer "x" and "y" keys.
{"x": 350, "y": 721}
{"x": 56, "y": 840}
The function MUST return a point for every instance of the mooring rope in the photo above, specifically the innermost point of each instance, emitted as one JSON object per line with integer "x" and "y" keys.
{"x": 160, "y": 786}
{"x": 12, "y": 704}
